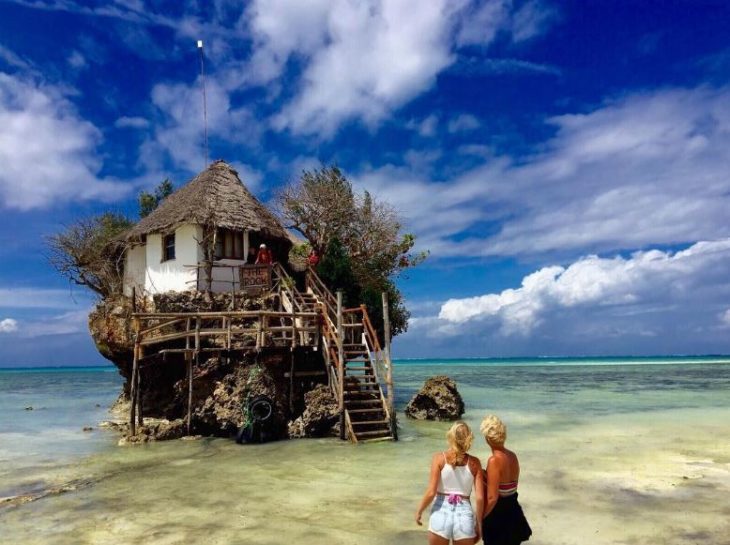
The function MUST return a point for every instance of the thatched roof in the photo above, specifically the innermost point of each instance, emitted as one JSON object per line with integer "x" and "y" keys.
{"x": 216, "y": 197}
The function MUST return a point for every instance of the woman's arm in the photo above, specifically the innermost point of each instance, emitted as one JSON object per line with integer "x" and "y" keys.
{"x": 476, "y": 470}
{"x": 431, "y": 489}
{"x": 493, "y": 478}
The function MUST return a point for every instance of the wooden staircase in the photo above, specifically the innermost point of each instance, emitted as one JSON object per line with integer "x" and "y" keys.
{"x": 353, "y": 347}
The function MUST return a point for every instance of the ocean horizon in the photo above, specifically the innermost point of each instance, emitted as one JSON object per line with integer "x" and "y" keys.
{"x": 674, "y": 359}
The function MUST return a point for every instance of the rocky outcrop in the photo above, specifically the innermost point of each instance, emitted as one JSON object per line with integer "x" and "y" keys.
{"x": 221, "y": 386}
{"x": 438, "y": 399}
{"x": 320, "y": 417}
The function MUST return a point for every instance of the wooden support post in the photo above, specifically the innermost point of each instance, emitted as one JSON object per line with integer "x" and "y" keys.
{"x": 139, "y": 387}
{"x": 133, "y": 380}
{"x": 197, "y": 334}
{"x": 293, "y": 322}
{"x": 340, "y": 366}
{"x": 189, "y": 362}
{"x": 228, "y": 337}
{"x": 389, "y": 363}
{"x": 291, "y": 384}
{"x": 233, "y": 288}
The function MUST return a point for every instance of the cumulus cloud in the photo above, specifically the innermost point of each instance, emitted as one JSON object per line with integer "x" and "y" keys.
{"x": 725, "y": 318}
{"x": 8, "y": 325}
{"x": 363, "y": 60}
{"x": 646, "y": 282}
{"x": 179, "y": 134}
{"x": 644, "y": 169}
{"x": 39, "y": 168}
{"x": 125, "y": 122}
{"x": 76, "y": 60}
{"x": 464, "y": 123}
{"x": 39, "y": 298}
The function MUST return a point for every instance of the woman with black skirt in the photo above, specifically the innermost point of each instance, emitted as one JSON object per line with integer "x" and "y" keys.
{"x": 503, "y": 522}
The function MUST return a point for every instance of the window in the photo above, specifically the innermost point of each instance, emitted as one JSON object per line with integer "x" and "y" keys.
{"x": 168, "y": 247}
{"x": 229, "y": 244}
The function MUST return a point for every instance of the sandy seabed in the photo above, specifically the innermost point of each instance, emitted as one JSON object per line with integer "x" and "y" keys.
{"x": 639, "y": 476}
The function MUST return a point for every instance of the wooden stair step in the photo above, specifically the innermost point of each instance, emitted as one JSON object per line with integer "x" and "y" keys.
{"x": 359, "y": 411}
{"x": 360, "y": 402}
{"x": 377, "y": 439}
{"x": 368, "y": 422}
{"x": 371, "y": 433}
{"x": 358, "y": 367}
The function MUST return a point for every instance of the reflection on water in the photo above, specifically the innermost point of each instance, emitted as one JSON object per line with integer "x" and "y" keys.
{"x": 610, "y": 454}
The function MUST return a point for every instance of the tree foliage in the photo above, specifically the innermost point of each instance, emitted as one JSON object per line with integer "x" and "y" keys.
{"x": 150, "y": 201}
{"x": 360, "y": 238}
{"x": 90, "y": 252}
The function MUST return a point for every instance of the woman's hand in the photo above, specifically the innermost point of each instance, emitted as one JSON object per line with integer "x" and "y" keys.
{"x": 418, "y": 518}
{"x": 478, "y": 529}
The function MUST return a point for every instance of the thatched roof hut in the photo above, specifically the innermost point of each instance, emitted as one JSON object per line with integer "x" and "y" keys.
{"x": 214, "y": 198}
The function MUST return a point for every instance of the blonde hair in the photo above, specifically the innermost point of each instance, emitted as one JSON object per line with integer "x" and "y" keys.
{"x": 460, "y": 439}
{"x": 493, "y": 430}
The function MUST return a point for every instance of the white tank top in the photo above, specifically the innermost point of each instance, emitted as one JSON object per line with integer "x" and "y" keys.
{"x": 455, "y": 479}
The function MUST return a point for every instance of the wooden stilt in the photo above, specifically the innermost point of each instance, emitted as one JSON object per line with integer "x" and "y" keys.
{"x": 189, "y": 361}
{"x": 291, "y": 383}
{"x": 133, "y": 380}
{"x": 340, "y": 367}
{"x": 139, "y": 389}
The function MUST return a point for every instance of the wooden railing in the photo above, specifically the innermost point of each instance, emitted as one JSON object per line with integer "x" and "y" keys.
{"x": 191, "y": 334}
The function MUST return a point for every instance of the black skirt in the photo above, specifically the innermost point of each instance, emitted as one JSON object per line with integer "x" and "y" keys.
{"x": 506, "y": 524}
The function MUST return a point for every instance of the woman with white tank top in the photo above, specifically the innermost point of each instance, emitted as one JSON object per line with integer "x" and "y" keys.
{"x": 454, "y": 475}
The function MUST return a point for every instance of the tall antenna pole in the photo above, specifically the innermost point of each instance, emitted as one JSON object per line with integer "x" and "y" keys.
{"x": 205, "y": 106}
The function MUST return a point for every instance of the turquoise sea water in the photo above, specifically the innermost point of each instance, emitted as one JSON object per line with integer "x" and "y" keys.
{"x": 613, "y": 450}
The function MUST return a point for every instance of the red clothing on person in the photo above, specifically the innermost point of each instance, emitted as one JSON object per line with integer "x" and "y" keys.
{"x": 264, "y": 257}
{"x": 313, "y": 258}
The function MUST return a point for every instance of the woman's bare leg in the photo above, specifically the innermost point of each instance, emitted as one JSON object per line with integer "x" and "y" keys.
{"x": 434, "y": 539}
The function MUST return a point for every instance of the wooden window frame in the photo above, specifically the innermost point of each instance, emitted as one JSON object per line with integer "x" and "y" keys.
{"x": 221, "y": 243}
{"x": 166, "y": 246}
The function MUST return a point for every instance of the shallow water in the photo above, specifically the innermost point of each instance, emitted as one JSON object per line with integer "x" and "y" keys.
{"x": 610, "y": 454}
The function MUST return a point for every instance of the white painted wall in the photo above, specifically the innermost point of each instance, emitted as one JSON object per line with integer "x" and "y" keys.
{"x": 135, "y": 268}
{"x": 225, "y": 279}
{"x": 173, "y": 275}
{"x": 145, "y": 270}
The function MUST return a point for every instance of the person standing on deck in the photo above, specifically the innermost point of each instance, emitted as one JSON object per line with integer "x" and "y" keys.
{"x": 264, "y": 256}
{"x": 454, "y": 474}
{"x": 504, "y": 523}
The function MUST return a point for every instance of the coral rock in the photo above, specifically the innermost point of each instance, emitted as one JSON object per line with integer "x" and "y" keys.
{"x": 438, "y": 399}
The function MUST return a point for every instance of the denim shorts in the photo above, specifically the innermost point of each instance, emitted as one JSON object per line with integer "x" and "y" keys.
{"x": 452, "y": 521}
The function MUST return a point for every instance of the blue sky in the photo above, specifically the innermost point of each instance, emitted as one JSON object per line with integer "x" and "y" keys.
{"x": 565, "y": 162}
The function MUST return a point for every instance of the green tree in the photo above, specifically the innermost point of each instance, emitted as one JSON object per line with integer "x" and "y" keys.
{"x": 90, "y": 252}
{"x": 360, "y": 238}
{"x": 150, "y": 201}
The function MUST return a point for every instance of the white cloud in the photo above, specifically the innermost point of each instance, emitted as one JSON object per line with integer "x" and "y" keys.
{"x": 180, "y": 135}
{"x": 67, "y": 323}
{"x": 677, "y": 282}
{"x": 125, "y": 122}
{"x": 641, "y": 170}
{"x": 725, "y": 318}
{"x": 377, "y": 56}
{"x": 40, "y": 298}
{"x": 8, "y": 325}
{"x": 250, "y": 177}
{"x": 464, "y": 123}
{"x": 531, "y": 20}
{"x": 39, "y": 168}
{"x": 425, "y": 127}
{"x": 76, "y": 60}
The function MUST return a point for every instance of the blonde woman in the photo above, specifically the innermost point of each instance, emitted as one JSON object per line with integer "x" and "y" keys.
{"x": 504, "y": 523}
{"x": 454, "y": 475}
